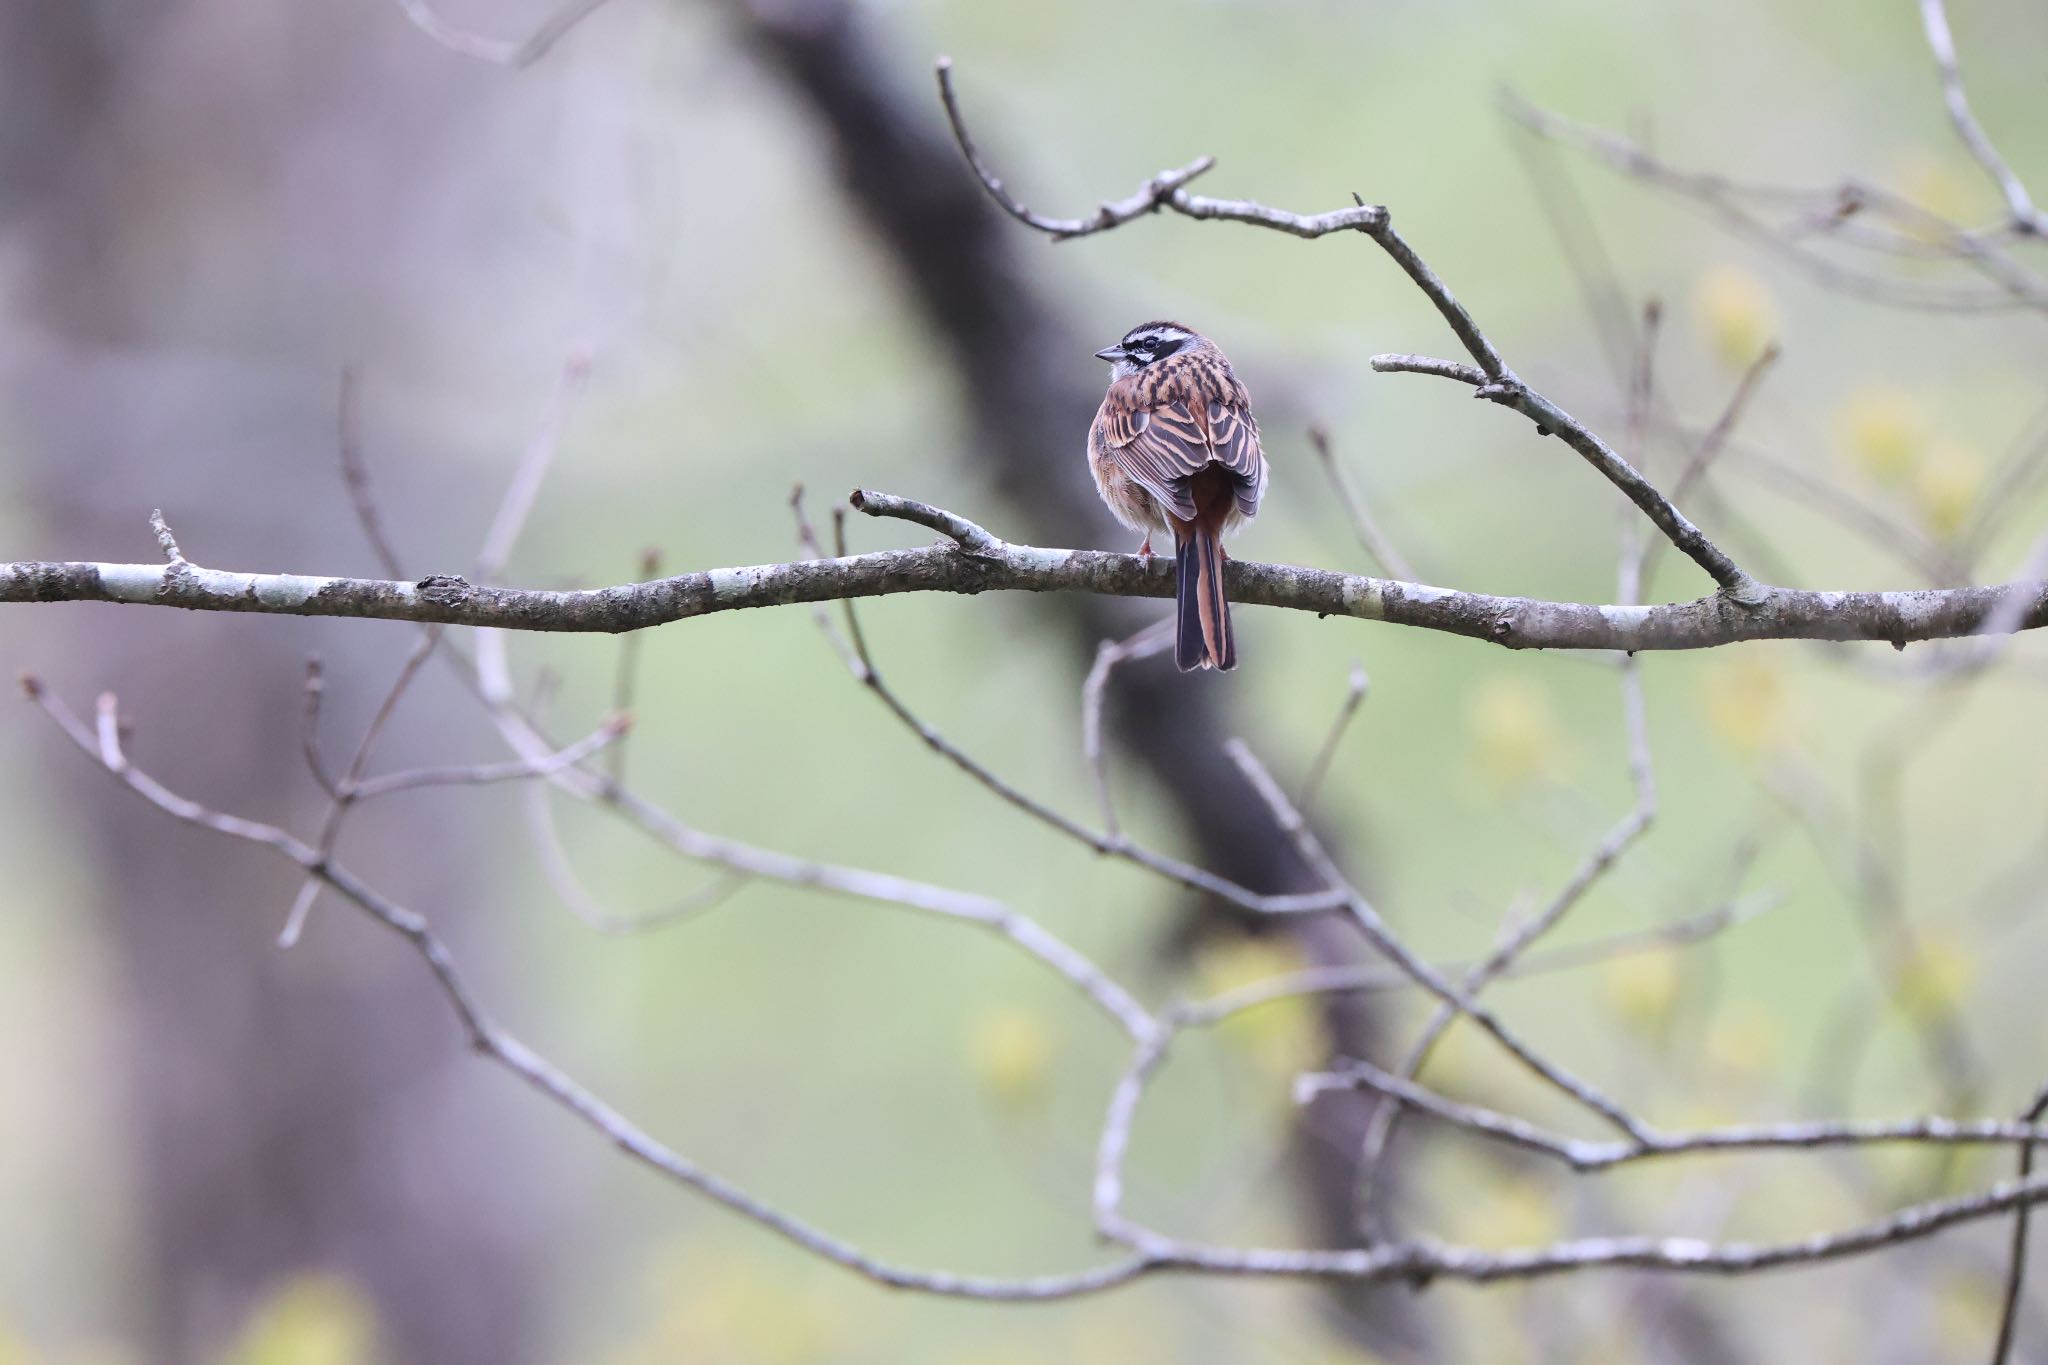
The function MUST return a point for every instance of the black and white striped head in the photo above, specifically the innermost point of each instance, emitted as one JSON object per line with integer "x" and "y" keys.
{"x": 1146, "y": 344}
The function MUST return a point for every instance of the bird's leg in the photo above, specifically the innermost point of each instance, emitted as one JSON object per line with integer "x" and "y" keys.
{"x": 1145, "y": 548}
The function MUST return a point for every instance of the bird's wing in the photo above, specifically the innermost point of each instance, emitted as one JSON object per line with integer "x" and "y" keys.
{"x": 1161, "y": 449}
{"x": 1234, "y": 437}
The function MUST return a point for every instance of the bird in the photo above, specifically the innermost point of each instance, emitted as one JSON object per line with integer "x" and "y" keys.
{"x": 1174, "y": 448}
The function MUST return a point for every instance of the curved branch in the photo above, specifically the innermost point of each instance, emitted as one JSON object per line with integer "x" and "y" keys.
{"x": 1500, "y": 383}
{"x": 1414, "y": 1261}
{"x": 2025, "y": 217}
{"x": 976, "y": 561}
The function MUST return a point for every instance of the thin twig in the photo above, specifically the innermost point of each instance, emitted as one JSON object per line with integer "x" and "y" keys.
{"x": 1416, "y": 1262}
{"x": 1382, "y": 938}
{"x": 500, "y": 51}
{"x": 1354, "y": 695}
{"x": 2016, "y": 1262}
{"x": 165, "y": 540}
{"x": 500, "y": 1047}
{"x": 807, "y": 541}
{"x": 1709, "y": 447}
{"x": 1517, "y": 937}
{"x": 1650, "y": 1144}
{"x": 1552, "y": 420}
{"x": 560, "y": 871}
{"x": 627, "y": 676}
{"x": 604, "y": 737}
{"x": 1147, "y": 1054}
{"x": 2025, "y": 217}
{"x": 346, "y": 789}
{"x": 1116, "y": 845}
{"x": 525, "y": 485}
{"x": 1901, "y": 227}
{"x": 309, "y": 729}
{"x": 355, "y": 474}
{"x": 1385, "y": 557}
{"x": 1111, "y": 654}
{"x": 1166, "y": 190}
{"x": 1570, "y": 957}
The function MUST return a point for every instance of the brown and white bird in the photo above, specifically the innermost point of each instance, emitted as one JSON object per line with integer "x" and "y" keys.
{"x": 1174, "y": 448}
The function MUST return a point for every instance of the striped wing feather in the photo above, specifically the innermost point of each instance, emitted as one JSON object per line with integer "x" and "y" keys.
{"x": 1164, "y": 446}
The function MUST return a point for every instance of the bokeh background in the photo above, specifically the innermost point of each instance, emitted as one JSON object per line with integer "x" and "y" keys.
{"x": 212, "y": 1150}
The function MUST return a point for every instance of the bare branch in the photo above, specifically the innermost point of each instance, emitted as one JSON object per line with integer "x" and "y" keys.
{"x": 500, "y": 51}
{"x": 604, "y": 737}
{"x": 1153, "y": 639}
{"x": 1354, "y": 695}
{"x": 560, "y": 871}
{"x": 1582, "y": 1155}
{"x": 355, "y": 474}
{"x": 959, "y": 529}
{"x": 165, "y": 540}
{"x": 1516, "y": 622}
{"x": 1385, "y": 557}
{"x": 346, "y": 789}
{"x": 1114, "y": 1144}
{"x": 309, "y": 730}
{"x": 532, "y": 470}
{"x": 1383, "y": 939}
{"x": 2025, "y": 217}
{"x": 1550, "y": 419}
{"x": 1402, "y": 363}
{"x": 1412, "y": 1261}
{"x": 1709, "y": 447}
{"x": 507, "y": 1051}
{"x": 1496, "y": 381}
{"x": 1166, "y": 190}
{"x": 1187, "y": 875}
{"x": 1518, "y": 938}
{"x": 1678, "y": 933}
{"x": 626, "y": 678}
{"x": 2016, "y": 1265}
{"x": 1829, "y": 213}
{"x": 493, "y": 680}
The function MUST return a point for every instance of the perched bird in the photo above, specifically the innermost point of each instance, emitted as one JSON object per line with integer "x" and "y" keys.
{"x": 1174, "y": 448}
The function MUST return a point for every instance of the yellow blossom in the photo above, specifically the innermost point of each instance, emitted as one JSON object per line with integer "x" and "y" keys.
{"x": 1942, "y": 185}
{"x": 1737, "y": 313}
{"x": 1937, "y": 978}
{"x": 1642, "y": 988}
{"x": 1885, "y": 432}
{"x": 1745, "y": 700}
{"x": 1009, "y": 1052}
{"x": 1946, "y": 485}
{"x": 1278, "y": 1035}
{"x": 1743, "y": 1040}
{"x": 311, "y": 1319}
{"x": 1514, "y": 732}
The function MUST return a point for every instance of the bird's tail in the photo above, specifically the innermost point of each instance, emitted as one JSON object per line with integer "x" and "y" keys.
{"x": 1202, "y": 635}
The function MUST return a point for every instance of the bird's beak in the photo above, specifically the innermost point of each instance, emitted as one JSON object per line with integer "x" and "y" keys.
{"x": 1110, "y": 353}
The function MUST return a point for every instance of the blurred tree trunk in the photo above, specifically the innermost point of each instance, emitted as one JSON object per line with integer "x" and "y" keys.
{"x": 1022, "y": 370}
{"x": 288, "y": 1112}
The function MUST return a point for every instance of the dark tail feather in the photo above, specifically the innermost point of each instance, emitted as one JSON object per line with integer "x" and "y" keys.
{"x": 1202, "y": 636}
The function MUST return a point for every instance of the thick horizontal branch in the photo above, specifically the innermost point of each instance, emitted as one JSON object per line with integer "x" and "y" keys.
{"x": 976, "y": 562}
